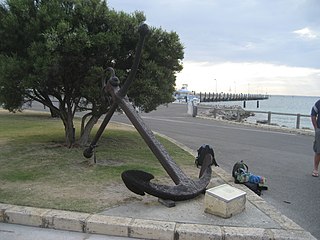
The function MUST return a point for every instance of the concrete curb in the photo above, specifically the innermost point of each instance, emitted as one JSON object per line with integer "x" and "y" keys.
{"x": 148, "y": 229}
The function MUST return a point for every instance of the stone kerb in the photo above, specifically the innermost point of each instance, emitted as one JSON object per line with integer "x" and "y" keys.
{"x": 144, "y": 228}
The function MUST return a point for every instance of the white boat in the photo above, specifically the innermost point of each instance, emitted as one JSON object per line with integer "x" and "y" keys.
{"x": 185, "y": 95}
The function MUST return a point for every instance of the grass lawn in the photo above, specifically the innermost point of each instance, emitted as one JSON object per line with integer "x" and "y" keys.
{"x": 36, "y": 169}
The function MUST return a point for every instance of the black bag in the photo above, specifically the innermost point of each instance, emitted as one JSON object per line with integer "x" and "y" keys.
{"x": 202, "y": 152}
{"x": 256, "y": 187}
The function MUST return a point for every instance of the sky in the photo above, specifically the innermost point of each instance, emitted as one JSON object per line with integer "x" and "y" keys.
{"x": 241, "y": 46}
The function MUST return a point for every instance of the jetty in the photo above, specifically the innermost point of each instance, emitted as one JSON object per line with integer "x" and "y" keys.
{"x": 222, "y": 97}
{"x": 186, "y": 95}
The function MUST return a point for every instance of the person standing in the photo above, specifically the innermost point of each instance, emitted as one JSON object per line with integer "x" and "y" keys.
{"x": 315, "y": 119}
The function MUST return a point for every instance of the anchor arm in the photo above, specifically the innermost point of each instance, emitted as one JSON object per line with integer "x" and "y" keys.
{"x": 114, "y": 81}
{"x": 88, "y": 152}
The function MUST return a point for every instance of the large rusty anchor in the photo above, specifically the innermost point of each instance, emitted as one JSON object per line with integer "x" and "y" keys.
{"x": 138, "y": 181}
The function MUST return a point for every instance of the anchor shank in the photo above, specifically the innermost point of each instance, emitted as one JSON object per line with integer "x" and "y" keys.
{"x": 156, "y": 147}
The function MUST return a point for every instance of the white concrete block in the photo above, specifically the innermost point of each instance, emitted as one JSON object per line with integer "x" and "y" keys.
{"x": 224, "y": 201}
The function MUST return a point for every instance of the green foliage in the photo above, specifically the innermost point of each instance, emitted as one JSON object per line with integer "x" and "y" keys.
{"x": 11, "y": 92}
{"x": 155, "y": 81}
{"x": 62, "y": 48}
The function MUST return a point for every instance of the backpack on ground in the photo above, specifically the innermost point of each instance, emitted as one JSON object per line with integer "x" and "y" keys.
{"x": 241, "y": 175}
{"x": 239, "y": 171}
{"x": 202, "y": 152}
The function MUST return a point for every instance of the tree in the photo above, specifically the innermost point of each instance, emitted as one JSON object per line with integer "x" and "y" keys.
{"x": 60, "y": 49}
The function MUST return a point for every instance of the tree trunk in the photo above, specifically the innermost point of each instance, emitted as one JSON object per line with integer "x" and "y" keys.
{"x": 67, "y": 119}
{"x": 85, "y": 132}
{"x": 70, "y": 136}
{"x": 83, "y": 122}
{"x": 70, "y": 133}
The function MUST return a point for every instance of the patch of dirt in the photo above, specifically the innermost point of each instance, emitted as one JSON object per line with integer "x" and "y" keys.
{"x": 94, "y": 197}
{"x": 110, "y": 162}
{"x": 3, "y": 141}
{"x": 100, "y": 197}
{"x": 122, "y": 126}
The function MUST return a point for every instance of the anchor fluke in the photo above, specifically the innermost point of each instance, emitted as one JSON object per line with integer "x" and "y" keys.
{"x": 140, "y": 183}
{"x": 133, "y": 179}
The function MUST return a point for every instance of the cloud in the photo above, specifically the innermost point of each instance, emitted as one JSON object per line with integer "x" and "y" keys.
{"x": 306, "y": 33}
{"x": 228, "y": 30}
{"x": 249, "y": 77}
{"x": 271, "y": 46}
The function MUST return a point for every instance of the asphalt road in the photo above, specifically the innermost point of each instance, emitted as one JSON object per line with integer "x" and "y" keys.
{"x": 285, "y": 159}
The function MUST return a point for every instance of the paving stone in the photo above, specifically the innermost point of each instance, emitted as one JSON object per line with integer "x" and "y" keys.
{"x": 65, "y": 220}
{"x": 25, "y": 215}
{"x": 102, "y": 224}
{"x": 238, "y": 233}
{"x": 197, "y": 231}
{"x": 151, "y": 229}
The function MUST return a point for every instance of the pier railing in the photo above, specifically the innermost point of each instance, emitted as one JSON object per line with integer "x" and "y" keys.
{"x": 269, "y": 114}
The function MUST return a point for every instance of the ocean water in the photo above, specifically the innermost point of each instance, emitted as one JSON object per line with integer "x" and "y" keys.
{"x": 279, "y": 104}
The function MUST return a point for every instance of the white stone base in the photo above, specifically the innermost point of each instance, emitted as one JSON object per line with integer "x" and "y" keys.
{"x": 224, "y": 201}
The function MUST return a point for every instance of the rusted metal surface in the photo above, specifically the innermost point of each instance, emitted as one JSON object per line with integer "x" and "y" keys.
{"x": 139, "y": 181}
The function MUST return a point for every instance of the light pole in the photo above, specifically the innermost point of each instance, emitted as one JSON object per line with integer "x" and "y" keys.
{"x": 216, "y": 85}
